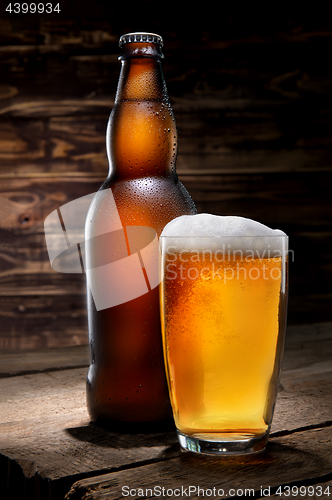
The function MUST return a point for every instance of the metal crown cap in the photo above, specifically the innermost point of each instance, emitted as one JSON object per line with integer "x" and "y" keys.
{"x": 140, "y": 36}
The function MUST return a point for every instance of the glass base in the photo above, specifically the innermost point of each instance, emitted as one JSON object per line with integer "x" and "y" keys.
{"x": 227, "y": 443}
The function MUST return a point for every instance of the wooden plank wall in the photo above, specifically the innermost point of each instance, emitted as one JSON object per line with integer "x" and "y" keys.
{"x": 252, "y": 100}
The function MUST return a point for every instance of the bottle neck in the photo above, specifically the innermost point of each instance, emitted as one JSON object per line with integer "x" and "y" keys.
{"x": 141, "y": 79}
{"x": 141, "y": 135}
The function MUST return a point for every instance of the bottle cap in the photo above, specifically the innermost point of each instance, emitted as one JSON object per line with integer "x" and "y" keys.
{"x": 141, "y": 37}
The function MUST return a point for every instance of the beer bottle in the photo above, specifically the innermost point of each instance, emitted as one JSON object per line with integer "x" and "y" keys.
{"x": 126, "y": 379}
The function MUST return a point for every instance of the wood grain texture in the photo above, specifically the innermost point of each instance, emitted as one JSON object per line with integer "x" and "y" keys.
{"x": 43, "y": 308}
{"x": 43, "y": 360}
{"x": 77, "y": 144}
{"x": 47, "y": 443}
{"x": 252, "y": 101}
{"x": 251, "y": 92}
{"x": 295, "y": 458}
{"x": 305, "y": 345}
{"x": 25, "y": 202}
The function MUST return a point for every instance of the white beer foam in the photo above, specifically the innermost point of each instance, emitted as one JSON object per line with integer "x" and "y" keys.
{"x": 207, "y": 231}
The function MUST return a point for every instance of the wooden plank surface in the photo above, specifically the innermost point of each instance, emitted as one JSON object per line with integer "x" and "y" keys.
{"x": 253, "y": 107}
{"x": 305, "y": 344}
{"x": 214, "y": 143}
{"x": 295, "y": 458}
{"x": 13, "y": 363}
{"x": 43, "y": 308}
{"x": 47, "y": 442}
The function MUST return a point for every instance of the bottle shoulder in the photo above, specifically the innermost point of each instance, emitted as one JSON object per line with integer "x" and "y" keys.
{"x": 146, "y": 187}
{"x": 147, "y": 201}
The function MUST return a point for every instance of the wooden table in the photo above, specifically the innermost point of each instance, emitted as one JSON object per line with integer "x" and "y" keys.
{"x": 50, "y": 451}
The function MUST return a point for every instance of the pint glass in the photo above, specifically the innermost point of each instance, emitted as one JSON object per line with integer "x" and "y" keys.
{"x": 223, "y": 309}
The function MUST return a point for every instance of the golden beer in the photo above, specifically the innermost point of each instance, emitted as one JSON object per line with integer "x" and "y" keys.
{"x": 223, "y": 328}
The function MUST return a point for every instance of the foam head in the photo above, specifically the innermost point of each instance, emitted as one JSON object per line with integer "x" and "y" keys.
{"x": 231, "y": 232}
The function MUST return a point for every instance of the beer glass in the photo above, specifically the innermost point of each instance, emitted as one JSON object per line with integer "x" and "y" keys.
{"x": 223, "y": 308}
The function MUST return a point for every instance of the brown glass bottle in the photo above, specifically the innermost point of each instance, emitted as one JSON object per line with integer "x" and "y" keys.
{"x": 126, "y": 379}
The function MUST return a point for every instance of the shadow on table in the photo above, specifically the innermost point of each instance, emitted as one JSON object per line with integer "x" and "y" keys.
{"x": 281, "y": 457}
{"x": 278, "y": 464}
{"x": 118, "y": 435}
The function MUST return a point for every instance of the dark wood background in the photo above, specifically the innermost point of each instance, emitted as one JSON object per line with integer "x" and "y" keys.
{"x": 250, "y": 85}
